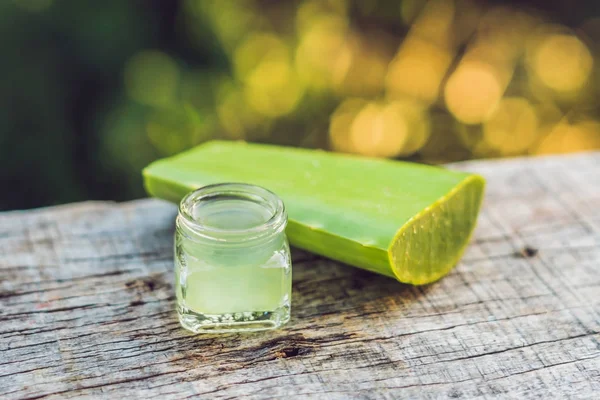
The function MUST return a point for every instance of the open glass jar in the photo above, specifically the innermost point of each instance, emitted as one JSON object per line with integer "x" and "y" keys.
{"x": 232, "y": 260}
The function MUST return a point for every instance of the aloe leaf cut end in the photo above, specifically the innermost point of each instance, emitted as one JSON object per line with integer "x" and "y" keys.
{"x": 430, "y": 244}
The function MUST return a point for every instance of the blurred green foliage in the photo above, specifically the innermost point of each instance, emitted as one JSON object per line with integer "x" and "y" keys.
{"x": 91, "y": 93}
{"x": 65, "y": 120}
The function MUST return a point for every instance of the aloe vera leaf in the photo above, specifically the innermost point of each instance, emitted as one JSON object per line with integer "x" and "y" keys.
{"x": 408, "y": 221}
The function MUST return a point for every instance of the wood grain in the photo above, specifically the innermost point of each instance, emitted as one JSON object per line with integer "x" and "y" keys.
{"x": 86, "y": 307}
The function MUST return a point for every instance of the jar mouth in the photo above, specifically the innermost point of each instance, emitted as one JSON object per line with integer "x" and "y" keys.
{"x": 232, "y": 212}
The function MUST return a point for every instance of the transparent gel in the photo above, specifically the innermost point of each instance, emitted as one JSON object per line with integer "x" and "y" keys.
{"x": 232, "y": 260}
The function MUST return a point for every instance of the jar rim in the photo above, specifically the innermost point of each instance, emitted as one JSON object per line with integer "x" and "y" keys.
{"x": 274, "y": 224}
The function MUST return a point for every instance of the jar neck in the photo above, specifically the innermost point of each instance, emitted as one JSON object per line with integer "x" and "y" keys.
{"x": 231, "y": 214}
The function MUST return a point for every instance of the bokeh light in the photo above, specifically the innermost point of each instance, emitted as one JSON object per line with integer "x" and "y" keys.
{"x": 502, "y": 33}
{"x": 562, "y": 62}
{"x": 272, "y": 89}
{"x": 174, "y": 129}
{"x": 152, "y": 77}
{"x": 263, "y": 63}
{"x": 324, "y": 56}
{"x": 237, "y": 119}
{"x": 312, "y": 10}
{"x": 257, "y": 49}
{"x": 567, "y": 137}
{"x": 425, "y": 54}
{"x": 378, "y": 131}
{"x": 473, "y": 91}
{"x": 513, "y": 126}
{"x": 341, "y": 124}
{"x": 417, "y": 70}
{"x": 369, "y": 64}
{"x": 229, "y": 20}
{"x": 434, "y": 22}
{"x": 415, "y": 117}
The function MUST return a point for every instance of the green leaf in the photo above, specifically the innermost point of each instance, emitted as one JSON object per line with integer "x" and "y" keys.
{"x": 404, "y": 220}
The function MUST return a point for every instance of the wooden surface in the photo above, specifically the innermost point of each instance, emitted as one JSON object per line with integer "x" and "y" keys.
{"x": 86, "y": 307}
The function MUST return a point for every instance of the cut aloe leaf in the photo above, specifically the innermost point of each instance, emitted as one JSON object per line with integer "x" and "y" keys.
{"x": 408, "y": 221}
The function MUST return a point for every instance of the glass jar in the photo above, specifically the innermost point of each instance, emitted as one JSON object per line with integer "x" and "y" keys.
{"x": 232, "y": 260}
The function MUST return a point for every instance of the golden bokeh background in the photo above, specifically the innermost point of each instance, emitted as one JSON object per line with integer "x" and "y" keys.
{"x": 431, "y": 81}
{"x": 510, "y": 81}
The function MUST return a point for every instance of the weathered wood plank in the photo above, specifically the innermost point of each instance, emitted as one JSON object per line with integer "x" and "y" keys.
{"x": 87, "y": 307}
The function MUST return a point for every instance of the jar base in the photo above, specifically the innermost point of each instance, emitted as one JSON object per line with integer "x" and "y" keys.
{"x": 250, "y": 321}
